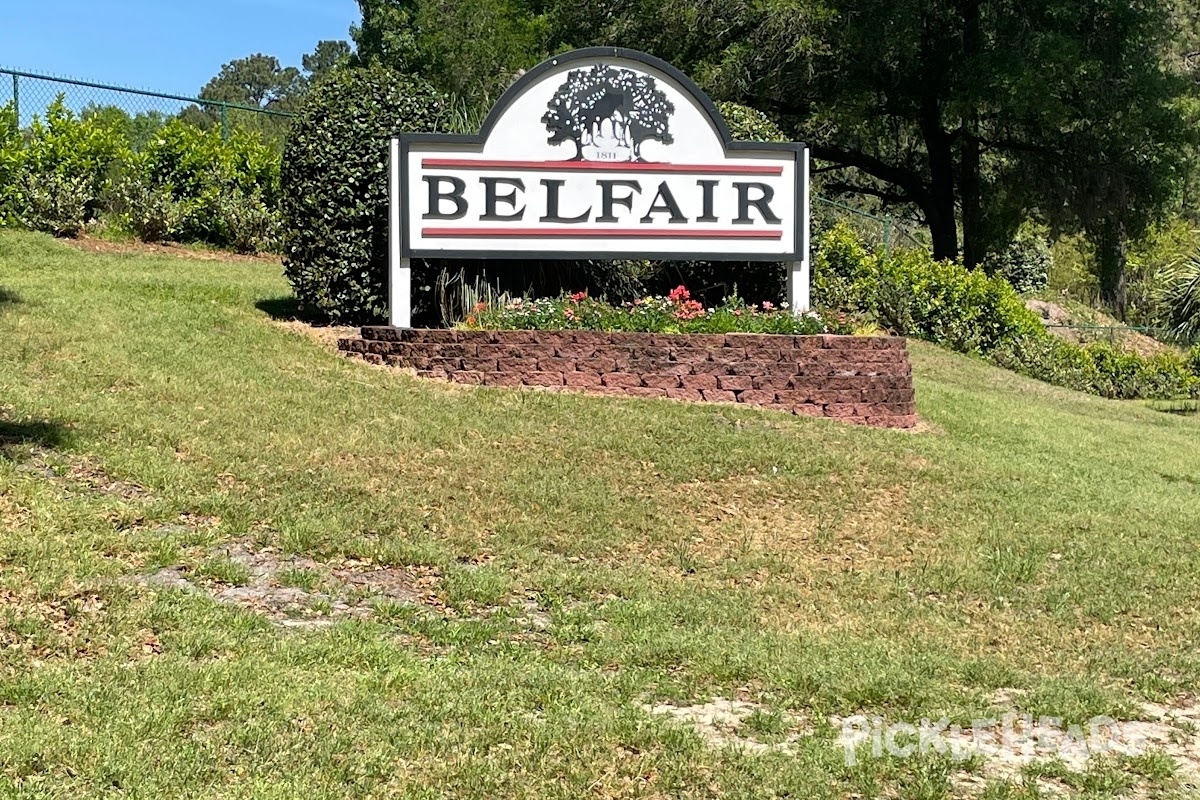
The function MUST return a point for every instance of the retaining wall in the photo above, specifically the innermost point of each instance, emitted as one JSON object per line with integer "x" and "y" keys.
{"x": 861, "y": 379}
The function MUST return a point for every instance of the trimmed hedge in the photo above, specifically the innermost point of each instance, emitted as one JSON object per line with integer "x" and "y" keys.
{"x": 965, "y": 310}
{"x": 335, "y": 185}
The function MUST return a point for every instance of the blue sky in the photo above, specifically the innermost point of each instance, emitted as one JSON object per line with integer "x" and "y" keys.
{"x": 170, "y": 46}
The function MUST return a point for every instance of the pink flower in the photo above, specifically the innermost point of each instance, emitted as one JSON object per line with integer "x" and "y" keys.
{"x": 679, "y": 294}
{"x": 579, "y": 297}
{"x": 768, "y": 305}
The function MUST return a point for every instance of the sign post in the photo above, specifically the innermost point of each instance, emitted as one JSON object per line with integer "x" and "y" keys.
{"x": 599, "y": 153}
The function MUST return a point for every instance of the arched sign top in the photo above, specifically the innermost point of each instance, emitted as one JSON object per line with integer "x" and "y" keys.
{"x": 599, "y": 153}
{"x": 629, "y": 77}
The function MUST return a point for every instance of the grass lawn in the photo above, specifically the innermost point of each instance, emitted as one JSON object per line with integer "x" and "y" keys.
{"x": 574, "y": 560}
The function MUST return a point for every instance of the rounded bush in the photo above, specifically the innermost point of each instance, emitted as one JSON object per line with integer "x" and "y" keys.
{"x": 335, "y": 188}
{"x": 1025, "y": 263}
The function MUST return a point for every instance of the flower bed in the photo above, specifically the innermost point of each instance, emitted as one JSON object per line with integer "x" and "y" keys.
{"x": 675, "y": 313}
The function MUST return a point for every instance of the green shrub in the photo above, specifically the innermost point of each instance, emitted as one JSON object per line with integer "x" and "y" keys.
{"x": 54, "y": 203}
{"x": 1193, "y": 360}
{"x": 335, "y": 182}
{"x": 149, "y": 212}
{"x": 56, "y": 171}
{"x": 1025, "y": 263}
{"x": 248, "y": 224}
{"x": 1099, "y": 368}
{"x": 913, "y": 295}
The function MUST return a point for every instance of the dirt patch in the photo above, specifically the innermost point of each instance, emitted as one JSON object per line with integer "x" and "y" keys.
{"x": 299, "y": 592}
{"x": 1102, "y": 328}
{"x": 724, "y": 723}
{"x": 1007, "y": 746}
{"x": 92, "y": 244}
{"x": 325, "y": 335}
{"x": 75, "y": 473}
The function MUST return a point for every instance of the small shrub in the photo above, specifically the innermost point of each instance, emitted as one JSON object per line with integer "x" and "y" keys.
{"x": 1025, "y": 263}
{"x": 335, "y": 184}
{"x": 149, "y": 212}
{"x": 54, "y": 203}
{"x": 1193, "y": 360}
{"x": 248, "y": 224}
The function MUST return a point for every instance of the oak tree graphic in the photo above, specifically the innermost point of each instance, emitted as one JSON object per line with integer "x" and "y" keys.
{"x": 626, "y": 105}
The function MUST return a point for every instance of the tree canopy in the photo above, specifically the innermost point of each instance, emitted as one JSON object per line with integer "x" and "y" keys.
{"x": 973, "y": 115}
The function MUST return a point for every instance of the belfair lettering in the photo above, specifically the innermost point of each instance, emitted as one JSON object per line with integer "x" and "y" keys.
{"x": 499, "y": 199}
{"x": 599, "y": 154}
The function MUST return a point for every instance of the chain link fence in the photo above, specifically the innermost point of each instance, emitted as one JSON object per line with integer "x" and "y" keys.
{"x": 885, "y": 233}
{"x": 138, "y": 112}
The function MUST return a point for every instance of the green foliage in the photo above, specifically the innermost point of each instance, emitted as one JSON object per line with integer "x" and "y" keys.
{"x": 55, "y": 172}
{"x": 1025, "y": 263}
{"x": 675, "y": 313}
{"x": 335, "y": 187}
{"x": 1100, "y": 368}
{"x": 914, "y": 295}
{"x": 748, "y": 124}
{"x": 1179, "y": 297}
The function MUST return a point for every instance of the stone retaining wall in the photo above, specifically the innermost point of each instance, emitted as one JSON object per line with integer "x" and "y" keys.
{"x": 858, "y": 379}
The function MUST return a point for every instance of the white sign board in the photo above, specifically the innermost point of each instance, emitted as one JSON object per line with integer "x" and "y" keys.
{"x": 599, "y": 153}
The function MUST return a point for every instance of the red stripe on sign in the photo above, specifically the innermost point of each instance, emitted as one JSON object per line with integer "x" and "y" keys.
{"x": 601, "y": 166}
{"x": 595, "y": 233}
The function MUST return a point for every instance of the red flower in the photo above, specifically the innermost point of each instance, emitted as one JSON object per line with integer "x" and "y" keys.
{"x": 480, "y": 306}
{"x": 679, "y": 295}
{"x": 579, "y": 297}
{"x": 689, "y": 309}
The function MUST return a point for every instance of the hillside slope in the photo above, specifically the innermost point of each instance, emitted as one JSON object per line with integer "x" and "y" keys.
{"x": 554, "y": 566}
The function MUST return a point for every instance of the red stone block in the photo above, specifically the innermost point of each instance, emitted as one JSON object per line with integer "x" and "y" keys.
{"x": 629, "y": 338}
{"x": 706, "y": 341}
{"x": 735, "y": 383}
{"x": 660, "y": 380}
{"x": 646, "y": 366}
{"x": 582, "y": 379}
{"x": 758, "y": 340}
{"x": 479, "y": 364}
{"x": 888, "y": 343}
{"x": 589, "y": 338}
{"x": 756, "y": 397}
{"x": 692, "y": 395}
{"x": 688, "y": 355}
{"x": 448, "y": 364}
{"x": 554, "y": 364}
{"x": 644, "y": 391}
{"x": 517, "y": 364}
{"x": 429, "y": 336}
{"x": 727, "y": 355}
{"x": 502, "y": 379}
{"x": 841, "y": 410}
{"x": 808, "y": 409}
{"x": 623, "y": 379}
{"x": 542, "y": 379}
{"x": 718, "y": 396}
{"x": 772, "y": 382}
{"x": 797, "y": 396}
{"x": 596, "y": 365}
{"x": 433, "y": 374}
{"x": 755, "y": 368}
{"x": 698, "y": 381}
{"x": 468, "y": 377}
{"x": 500, "y": 350}
{"x": 575, "y": 351}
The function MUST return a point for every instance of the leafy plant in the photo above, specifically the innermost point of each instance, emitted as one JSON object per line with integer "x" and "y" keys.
{"x": 1025, "y": 263}
{"x": 1179, "y": 297}
{"x": 335, "y": 187}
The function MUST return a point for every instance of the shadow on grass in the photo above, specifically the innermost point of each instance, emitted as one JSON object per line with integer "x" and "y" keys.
{"x": 8, "y": 298}
{"x": 39, "y": 433}
{"x": 287, "y": 309}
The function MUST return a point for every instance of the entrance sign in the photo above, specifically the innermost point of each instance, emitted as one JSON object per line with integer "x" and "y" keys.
{"x": 598, "y": 153}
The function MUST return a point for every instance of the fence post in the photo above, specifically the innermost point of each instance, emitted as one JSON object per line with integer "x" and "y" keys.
{"x": 17, "y": 100}
{"x": 224, "y": 122}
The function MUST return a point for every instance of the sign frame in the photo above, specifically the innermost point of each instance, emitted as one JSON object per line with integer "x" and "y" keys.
{"x": 401, "y": 253}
